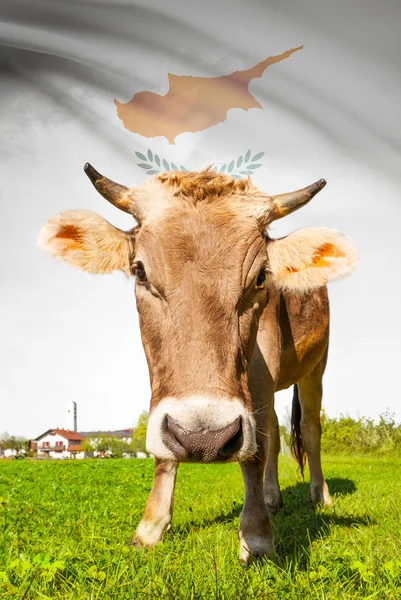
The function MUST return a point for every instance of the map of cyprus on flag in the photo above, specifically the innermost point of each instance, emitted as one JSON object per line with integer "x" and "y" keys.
{"x": 193, "y": 103}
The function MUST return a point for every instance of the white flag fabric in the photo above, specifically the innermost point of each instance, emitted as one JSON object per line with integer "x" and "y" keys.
{"x": 70, "y": 70}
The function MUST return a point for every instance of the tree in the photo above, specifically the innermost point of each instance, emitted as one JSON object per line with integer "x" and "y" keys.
{"x": 87, "y": 445}
{"x": 138, "y": 443}
{"x": 285, "y": 434}
{"x": 118, "y": 447}
{"x": 103, "y": 444}
{"x": 286, "y": 420}
{"x": 107, "y": 444}
{"x": 15, "y": 443}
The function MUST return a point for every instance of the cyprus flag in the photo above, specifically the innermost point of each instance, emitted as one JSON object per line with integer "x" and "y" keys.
{"x": 285, "y": 91}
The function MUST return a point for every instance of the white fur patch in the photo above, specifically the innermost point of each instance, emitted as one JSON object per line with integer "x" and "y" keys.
{"x": 255, "y": 546}
{"x": 86, "y": 241}
{"x": 150, "y": 531}
{"x": 200, "y": 412}
{"x": 310, "y": 258}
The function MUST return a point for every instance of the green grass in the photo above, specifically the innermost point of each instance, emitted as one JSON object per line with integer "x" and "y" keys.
{"x": 65, "y": 528}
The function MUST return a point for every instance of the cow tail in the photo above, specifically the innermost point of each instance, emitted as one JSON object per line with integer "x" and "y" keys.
{"x": 297, "y": 448}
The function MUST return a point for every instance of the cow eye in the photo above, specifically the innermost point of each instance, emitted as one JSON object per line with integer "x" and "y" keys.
{"x": 141, "y": 273}
{"x": 261, "y": 278}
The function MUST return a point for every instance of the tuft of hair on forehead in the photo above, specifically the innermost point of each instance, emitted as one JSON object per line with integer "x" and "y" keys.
{"x": 205, "y": 184}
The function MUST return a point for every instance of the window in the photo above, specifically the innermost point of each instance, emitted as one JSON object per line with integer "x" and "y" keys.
{"x": 46, "y": 445}
{"x": 59, "y": 444}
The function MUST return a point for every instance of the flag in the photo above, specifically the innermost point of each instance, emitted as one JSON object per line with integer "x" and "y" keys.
{"x": 285, "y": 92}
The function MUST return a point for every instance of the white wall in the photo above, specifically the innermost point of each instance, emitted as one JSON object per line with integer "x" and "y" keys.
{"x": 52, "y": 439}
{"x": 10, "y": 452}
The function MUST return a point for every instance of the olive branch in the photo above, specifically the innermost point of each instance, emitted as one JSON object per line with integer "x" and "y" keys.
{"x": 153, "y": 163}
{"x": 244, "y": 165}
{"x": 237, "y": 168}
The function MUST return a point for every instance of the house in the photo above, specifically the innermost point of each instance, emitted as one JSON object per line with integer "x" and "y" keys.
{"x": 12, "y": 450}
{"x": 122, "y": 434}
{"x": 95, "y": 438}
{"x": 66, "y": 443}
{"x": 59, "y": 443}
{"x": 9, "y": 452}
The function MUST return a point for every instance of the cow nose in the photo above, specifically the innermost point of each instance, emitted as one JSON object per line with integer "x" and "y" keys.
{"x": 204, "y": 445}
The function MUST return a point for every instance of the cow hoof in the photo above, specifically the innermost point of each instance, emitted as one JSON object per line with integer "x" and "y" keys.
{"x": 255, "y": 547}
{"x": 148, "y": 534}
{"x": 273, "y": 505}
{"x": 320, "y": 496}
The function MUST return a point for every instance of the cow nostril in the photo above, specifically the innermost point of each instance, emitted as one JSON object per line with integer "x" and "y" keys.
{"x": 203, "y": 445}
{"x": 172, "y": 438}
{"x": 234, "y": 444}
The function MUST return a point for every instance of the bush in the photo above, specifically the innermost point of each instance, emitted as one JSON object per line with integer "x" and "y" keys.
{"x": 362, "y": 435}
{"x": 138, "y": 443}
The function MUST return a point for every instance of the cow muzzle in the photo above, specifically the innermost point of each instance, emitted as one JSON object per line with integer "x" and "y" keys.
{"x": 201, "y": 429}
{"x": 204, "y": 445}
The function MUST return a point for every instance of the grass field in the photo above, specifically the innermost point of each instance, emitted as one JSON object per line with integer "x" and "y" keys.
{"x": 65, "y": 528}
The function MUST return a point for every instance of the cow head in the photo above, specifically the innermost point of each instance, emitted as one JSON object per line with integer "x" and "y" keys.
{"x": 204, "y": 270}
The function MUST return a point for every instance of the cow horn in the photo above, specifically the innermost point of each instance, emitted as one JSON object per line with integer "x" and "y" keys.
{"x": 285, "y": 204}
{"x": 121, "y": 196}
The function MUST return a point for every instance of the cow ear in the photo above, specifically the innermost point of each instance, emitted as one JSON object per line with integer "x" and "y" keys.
{"x": 88, "y": 242}
{"x": 310, "y": 258}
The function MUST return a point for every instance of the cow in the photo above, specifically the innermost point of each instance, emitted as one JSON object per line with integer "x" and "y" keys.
{"x": 228, "y": 316}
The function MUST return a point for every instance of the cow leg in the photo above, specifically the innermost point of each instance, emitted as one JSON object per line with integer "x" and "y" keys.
{"x": 255, "y": 531}
{"x": 158, "y": 511}
{"x": 271, "y": 486}
{"x": 310, "y": 396}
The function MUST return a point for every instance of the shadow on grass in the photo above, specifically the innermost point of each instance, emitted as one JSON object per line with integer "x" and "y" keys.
{"x": 340, "y": 486}
{"x": 299, "y": 493}
{"x": 223, "y": 518}
{"x": 298, "y": 524}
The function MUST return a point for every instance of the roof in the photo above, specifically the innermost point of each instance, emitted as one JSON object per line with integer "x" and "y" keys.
{"x": 67, "y": 434}
{"x": 118, "y": 433}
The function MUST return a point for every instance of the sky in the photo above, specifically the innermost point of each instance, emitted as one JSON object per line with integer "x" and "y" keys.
{"x": 330, "y": 110}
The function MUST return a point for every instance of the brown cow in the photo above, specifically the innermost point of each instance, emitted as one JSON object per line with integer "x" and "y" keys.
{"x": 228, "y": 316}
